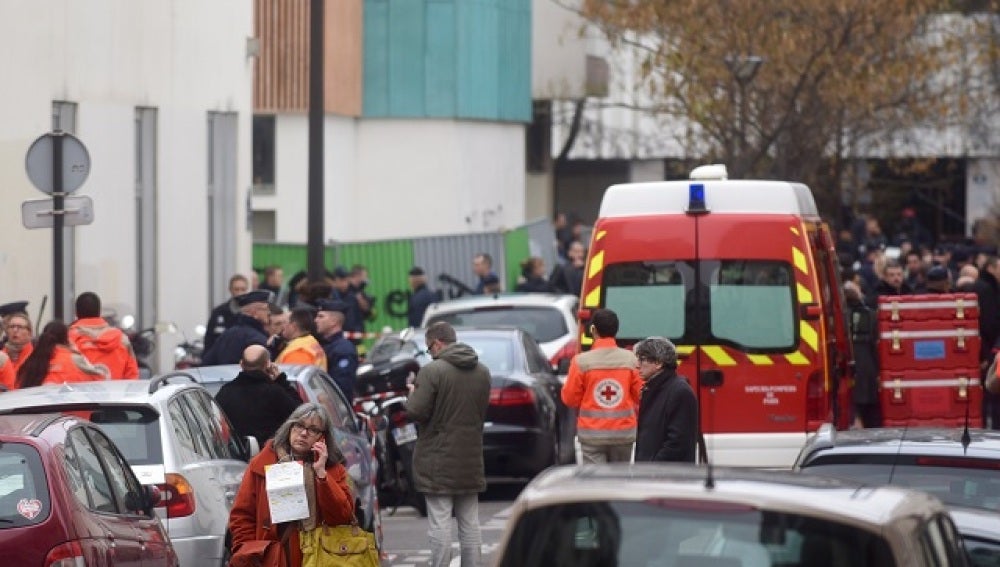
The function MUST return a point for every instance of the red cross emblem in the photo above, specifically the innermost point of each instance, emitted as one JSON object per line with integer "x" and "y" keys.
{"x": 608, "y": 393}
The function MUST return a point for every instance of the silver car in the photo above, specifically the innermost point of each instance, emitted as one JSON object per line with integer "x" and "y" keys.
{"x": 175, "y": 437}
{"x": 680, "y": 516}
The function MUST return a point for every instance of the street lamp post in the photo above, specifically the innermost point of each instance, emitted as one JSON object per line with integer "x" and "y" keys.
{"x": 744, "y": 68}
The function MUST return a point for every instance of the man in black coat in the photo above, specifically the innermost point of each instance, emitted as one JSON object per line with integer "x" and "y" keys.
{"x": 341, "y": 354}
{"x": 249, "y": 330}
{"x": 987, "y": 288}
{"x": 260, "y": 399}
{"x": 668, "y": 408}
{"x": 420, "y": 297}
{"x": 863, "y": 325}
{"x": 223, "y": 316}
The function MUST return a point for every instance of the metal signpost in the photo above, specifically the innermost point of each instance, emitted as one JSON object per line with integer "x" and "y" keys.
{"x": 57, "y": 164}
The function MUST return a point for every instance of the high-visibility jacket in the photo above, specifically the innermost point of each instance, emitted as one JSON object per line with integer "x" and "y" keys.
{"x": 67, "y": 365}
{"x": 106, "y": 346}
{"x": 8, "y": 376}
{"x": 303, "y": 350}
{"x": 604, "y": 385}
{"x": 22, "y": 355}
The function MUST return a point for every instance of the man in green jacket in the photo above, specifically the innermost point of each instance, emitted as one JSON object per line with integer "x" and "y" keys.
{"x": 448, "y": 402}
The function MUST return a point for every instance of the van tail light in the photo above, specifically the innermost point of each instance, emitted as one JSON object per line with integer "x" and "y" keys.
{"x": 815, "y": 397}
{"x": 568, "y": 351}
{"x": 67, "y": 554}
{"x": 512, "y": 396}
{"x": 177, "y": 496}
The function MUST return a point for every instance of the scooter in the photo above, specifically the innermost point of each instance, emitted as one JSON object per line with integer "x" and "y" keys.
{"x": 394, "y": 437}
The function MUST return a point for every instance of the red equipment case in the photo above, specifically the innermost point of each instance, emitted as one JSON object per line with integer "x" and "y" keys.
{"x": 929, "y": 360}
{"x": 931, "y": 398}
{"x": 926, "y": 307}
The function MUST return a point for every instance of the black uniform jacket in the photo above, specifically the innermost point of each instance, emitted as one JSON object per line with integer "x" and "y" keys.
{"x": 229, "y": 347}
{"x": 257, "y": 405}
{"x": 668, "y": 420}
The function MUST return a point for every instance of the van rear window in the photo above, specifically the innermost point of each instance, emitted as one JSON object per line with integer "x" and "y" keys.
{"x": 745, "y": 304}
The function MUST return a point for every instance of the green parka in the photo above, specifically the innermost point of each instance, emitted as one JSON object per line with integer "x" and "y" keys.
{"x": 449, "y": 406}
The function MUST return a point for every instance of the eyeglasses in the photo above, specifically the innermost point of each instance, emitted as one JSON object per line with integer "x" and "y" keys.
{"x": 15, "y": 327}
{"x": 303, "y": 427}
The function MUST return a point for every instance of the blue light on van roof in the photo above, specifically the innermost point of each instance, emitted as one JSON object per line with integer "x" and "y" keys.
{"x": 696, "y": 198}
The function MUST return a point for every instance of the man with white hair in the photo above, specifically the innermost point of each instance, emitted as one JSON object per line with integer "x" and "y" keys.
{"x": 668, "y": 408}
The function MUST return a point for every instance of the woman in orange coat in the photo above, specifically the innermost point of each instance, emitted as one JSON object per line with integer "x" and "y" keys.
{"x": 54, "y": 361}
{"x": 307, "y": 437}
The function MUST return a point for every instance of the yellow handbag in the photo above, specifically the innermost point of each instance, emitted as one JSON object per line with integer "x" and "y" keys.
{"x": 326, "y": 546}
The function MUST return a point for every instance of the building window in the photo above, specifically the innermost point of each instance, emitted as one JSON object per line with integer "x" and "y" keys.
{"x": 264, "y": 226}
{"x": 263, "y": 155}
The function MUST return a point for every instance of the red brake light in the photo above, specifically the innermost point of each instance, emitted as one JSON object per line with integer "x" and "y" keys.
{"x": 958, "y": 462}
{"x": 512, "y": 396}
{"x": 68, "y": 554}
{"x": 815, "y": 398}
{"x": 177, "y": 496}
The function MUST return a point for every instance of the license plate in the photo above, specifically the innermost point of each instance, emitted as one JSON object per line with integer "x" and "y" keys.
{"x": 405, "y": 434}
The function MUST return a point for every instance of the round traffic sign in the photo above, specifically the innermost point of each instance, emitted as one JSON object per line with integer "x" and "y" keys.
{"x": 74, "y": 168}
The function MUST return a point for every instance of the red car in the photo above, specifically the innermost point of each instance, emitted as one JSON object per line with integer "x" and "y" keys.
{"x": 69, "y": 498}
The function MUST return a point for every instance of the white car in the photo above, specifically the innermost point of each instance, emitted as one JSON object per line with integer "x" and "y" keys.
{"x": 549, "y": 318}
{"x": 175, "y": 437}
{"x": 674, "y": 515}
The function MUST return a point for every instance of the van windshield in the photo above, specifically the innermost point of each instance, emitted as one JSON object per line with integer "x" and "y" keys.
{"x": 745, "y": 304}
{"x": 681, "y": 533}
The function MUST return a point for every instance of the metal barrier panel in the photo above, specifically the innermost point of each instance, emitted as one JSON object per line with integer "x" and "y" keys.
{"x": 447, "y": 260}
{"x": 388, "y": 263}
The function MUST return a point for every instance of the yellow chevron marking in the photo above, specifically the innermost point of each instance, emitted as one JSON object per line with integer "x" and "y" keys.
{"x": 593, "y": 298}
{"x": 805, "y": 296}
{"x": 760, "y": 359}
{"x": 686, "y": 350}
{"x": 797, "y": 358}
{"x": 596, "y": 264}
{"x": 809, "y": 335}
{"x": 799, "y": 259}
{"x": 600, "y": 234}
{"x": 718, "y": 355}
{"x": 795, "y": 230}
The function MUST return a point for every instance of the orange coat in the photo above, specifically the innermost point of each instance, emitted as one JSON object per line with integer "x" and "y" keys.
{"x": 106, "y": 346}
{"x": 250, "y": 517}
{"x": 605, "y": 386}
{"x": 25, "y": 353}
{"x": 8, "y": 376}
{"x": 303, "y": 350}
{"x": 67, "y": 365}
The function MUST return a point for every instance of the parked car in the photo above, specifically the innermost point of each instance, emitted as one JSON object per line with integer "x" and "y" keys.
{"x": 353, "y": 437}
{"x": 528, "y": 428}
{"x": 549, "y": 318}
{"x": 934, "y": 460}
{"x": 68, "y": 497}
{"x": 675, "y": 515}
{"x": 175, "y": 437}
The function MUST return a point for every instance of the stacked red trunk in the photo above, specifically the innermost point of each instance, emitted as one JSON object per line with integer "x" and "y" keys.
{"x": 929, "y": 360}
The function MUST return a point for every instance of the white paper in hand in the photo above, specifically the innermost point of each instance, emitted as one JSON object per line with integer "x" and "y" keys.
{"x": 286, "y": 492}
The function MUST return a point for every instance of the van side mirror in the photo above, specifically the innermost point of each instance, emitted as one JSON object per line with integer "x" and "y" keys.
{"x": 810, "y": 311}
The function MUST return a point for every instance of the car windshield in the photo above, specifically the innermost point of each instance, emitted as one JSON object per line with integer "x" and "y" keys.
{"x": 745, "y": 304}
{"x": 675, "y": 533}
{"x": 24, "y": 491}
{"x": 136, "y": 432}
{"x": 543, "y": 323}
{"x": 965, "y": 486}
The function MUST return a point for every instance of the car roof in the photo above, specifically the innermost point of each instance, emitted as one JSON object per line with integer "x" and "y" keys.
{"x": 502, "y": 299}
{"x": 27, "y": 425}
{"x": 842, "y": 501}
{"x": 228, "y": 372}
{"x": 108, "y": 392}
{"x": 983, "y": 444}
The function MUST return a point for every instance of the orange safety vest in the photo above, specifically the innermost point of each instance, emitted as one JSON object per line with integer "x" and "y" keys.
{"x": 8, "y": 376}
{"x": 604, "y": 385}
{"x": 303, "y": 350}
{"x": 67, "y": 365}
{"x": 25, "y": 353}
{"x": 106, "y": 346}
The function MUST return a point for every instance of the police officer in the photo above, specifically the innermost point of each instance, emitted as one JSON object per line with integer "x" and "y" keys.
{"x": 224, "y": 315}
{"x": 341, "y": 354}
{"x": 342, "y": 292}
{"x": 421, "y": 297}
{"x": 248, "y": 330}
{"x": 863, "y": 325}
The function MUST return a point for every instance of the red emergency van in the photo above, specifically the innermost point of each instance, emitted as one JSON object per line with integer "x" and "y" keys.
{"x": 742, "y": 277}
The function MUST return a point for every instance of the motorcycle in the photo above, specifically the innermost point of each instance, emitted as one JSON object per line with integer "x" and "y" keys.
{"x": 142, "y": 340}
{"x": 188, "y": 354}
{"x": 381, "y": 401}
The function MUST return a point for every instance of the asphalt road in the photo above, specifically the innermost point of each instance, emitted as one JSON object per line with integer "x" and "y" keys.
{"x": 405, "y": 542}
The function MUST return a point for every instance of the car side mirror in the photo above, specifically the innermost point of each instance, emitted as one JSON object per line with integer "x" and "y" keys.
{"x": 563, "y": 366}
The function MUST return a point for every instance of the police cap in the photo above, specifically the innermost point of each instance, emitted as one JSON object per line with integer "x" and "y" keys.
{"x": 13, "y": 307}
{"x": 255, "y": 296}
{"x": 331, "y": 305}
